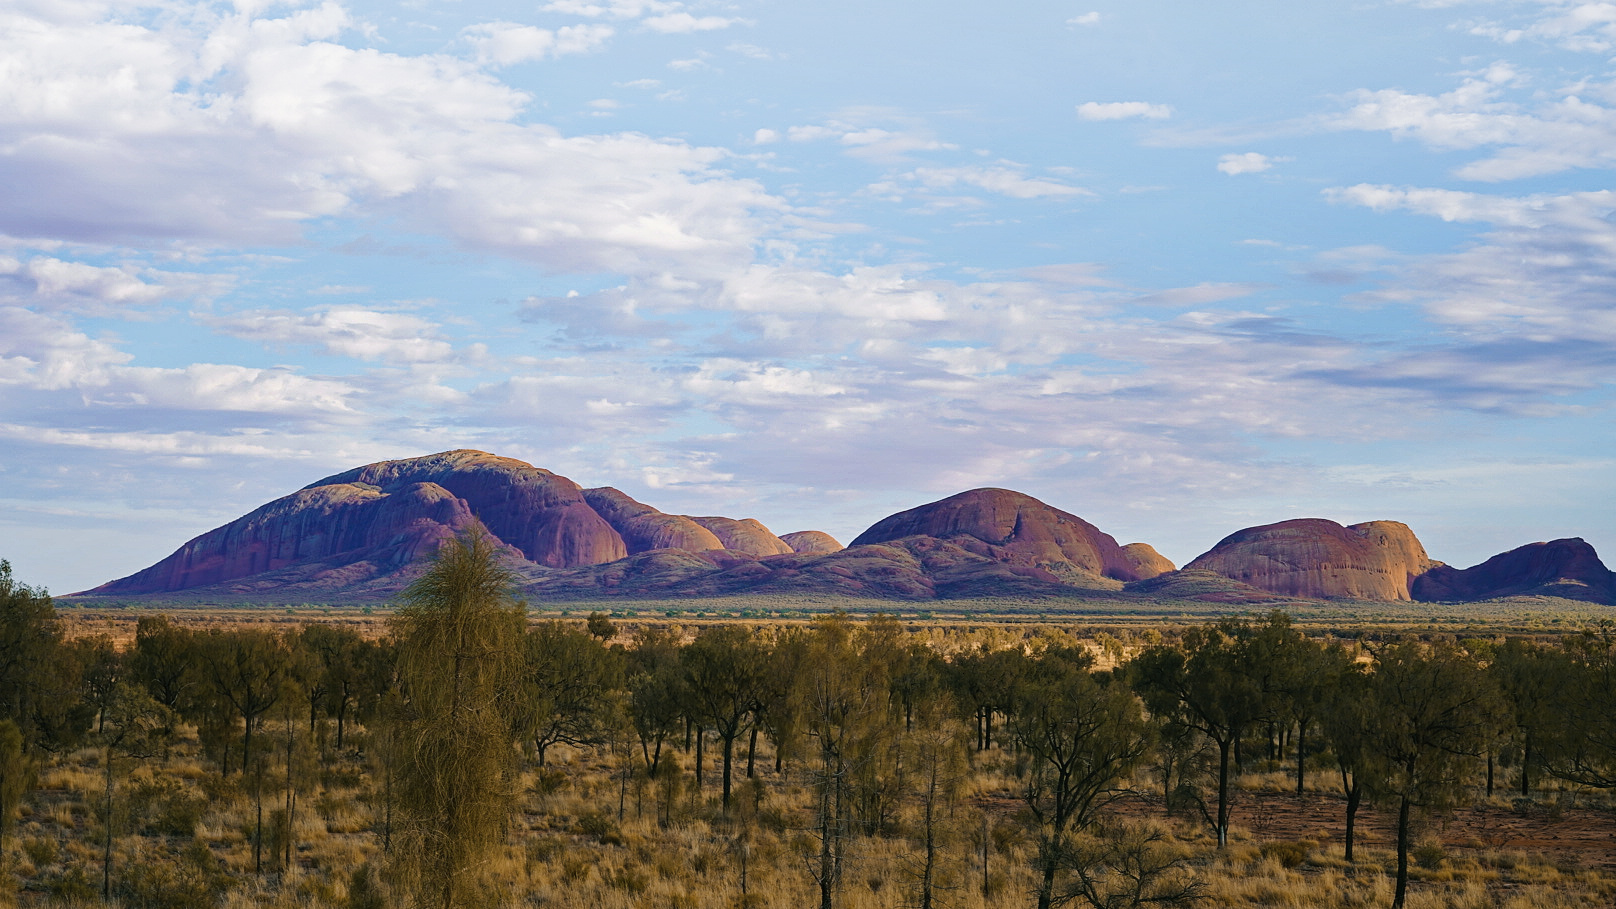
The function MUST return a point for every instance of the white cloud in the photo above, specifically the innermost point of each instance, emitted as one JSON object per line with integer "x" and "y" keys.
{"x": 349, "y": 332}
{"x": 1575, "y": 26}
{"x": 1246, "y": 163}
{"x": 239, "y": 128}
{"x": 1008, "y": 181}
{"x": 1123, "y": 110}
{"x": 871, "y": 142}
{"x": 40, "y": 353}
{"x": 1553, "y": 133}
{"x": 750, "y": 50}
{"x": 507, "y": 43}
{"x": 49, "y": 283}
{"x": 1089, "y": 18}
{"x": 615, "y": 9}
{"x": 683, "y": 23}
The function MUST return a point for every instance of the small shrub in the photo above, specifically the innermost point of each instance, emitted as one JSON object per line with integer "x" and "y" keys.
{"x": 600, "y": 826}
{"x": 1428, "y": 855}
{"x": 1288, "y": 855}
{"x": 40, "y": 850}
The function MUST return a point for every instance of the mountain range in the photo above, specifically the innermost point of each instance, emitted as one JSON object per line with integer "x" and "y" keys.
{"x": 367, "y": 532}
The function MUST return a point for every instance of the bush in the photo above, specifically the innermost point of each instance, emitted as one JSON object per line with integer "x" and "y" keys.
{"x": 600, "y": 826}
{"x": 40, "y": 850}
{"x": 1288, "y": 855}
{"x": 1428, "y": 855}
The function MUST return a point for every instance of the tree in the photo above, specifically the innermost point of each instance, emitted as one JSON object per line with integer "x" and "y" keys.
{"x": 460, "y": 659}
{"x": 340, "y": 656}
{"x": 1127, "y": 867}
{"x": 655, "y": 693}
{"x": 724, "y": 678}
{"x": 16, "y": 776}
{"x": 1581, "y": 746}
{"x": 1083, "y": 738}
{"x": 1345, "y": 715}
{"x": 569, "y": 678}
{"x": 936, "y": 755}
{"x": 841, "y": 697}
{"x": 246, "y": 672}
{"x": 133, "y": 725}
{"x": 1433, "y": 712}
{"x": 29, "y": 639}
{"x": 165, "y": 661}
{"x": 1212, "y": 685}
{"x": 1525, "y": 672}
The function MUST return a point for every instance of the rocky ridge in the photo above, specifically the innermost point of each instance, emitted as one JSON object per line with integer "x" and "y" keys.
{"x": 366, "y": 532}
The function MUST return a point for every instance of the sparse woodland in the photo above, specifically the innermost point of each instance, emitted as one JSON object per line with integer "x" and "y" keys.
{"x": 474, "y": 757}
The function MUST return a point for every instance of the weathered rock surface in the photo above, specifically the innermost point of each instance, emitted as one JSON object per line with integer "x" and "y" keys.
{"x": 387, "y": 530}
{"x": 542, "y": 514}
{"x": 1014, "y": 527}
{"x": 1313, "y": 557}
{"x": 374, "y": 520}
{"x": 643, "y": 528}
{"x": 1562, "y": 568}
{"x": 811, "y": 541}
{"x": 747, "y": 535}
{"x": 1146, "y": 561}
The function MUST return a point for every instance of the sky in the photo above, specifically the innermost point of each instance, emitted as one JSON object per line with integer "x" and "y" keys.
{"x": 1176, "y": 268}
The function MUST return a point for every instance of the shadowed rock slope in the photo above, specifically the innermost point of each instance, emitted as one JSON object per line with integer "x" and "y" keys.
{"x": 1559, "y": 568}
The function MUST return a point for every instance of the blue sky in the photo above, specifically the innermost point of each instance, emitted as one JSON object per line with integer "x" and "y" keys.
{"x": 1176, "y": 268}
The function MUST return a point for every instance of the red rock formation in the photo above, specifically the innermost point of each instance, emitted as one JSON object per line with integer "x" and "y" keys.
{"x": 1564, "y": 568}
{"x": 1312, "y": 557}
{"x": 1013, "y": 527}
{"x": 643, "y": 528}
{"x": 540, "y": 513}
{"x": 747, "y": 535}
{"x": 1146, "y": 561}
{"x": 384, "y": 515}
{"x": 811, "y": 541}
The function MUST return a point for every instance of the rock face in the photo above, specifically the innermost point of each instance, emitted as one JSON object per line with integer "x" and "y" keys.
{"x": 643, "y": 528}
{"x": 1014, "y": 527}
{"x": 811, "y": 541}
{"x": 383, "y": 516}
{"x": 1313, "y": 557}
{"x": 1146, "y": 561}
{"x": 543, "y": 515}
{"x": 1563, "y": 568}
{"x": 747, "y": 535}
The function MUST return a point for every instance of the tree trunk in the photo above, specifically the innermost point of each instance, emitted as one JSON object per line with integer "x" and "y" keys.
{"x": 701, "y": 739}
{"x": 1223, "y": 793}
{"x": 751, "y": 753}
{"x": 729, "y": 749}
{"x": 1402, "y": 854}
{"x": 1301, "y": 756}
{"x": 106, "y": 856}
{"x": 1354, "y": 795}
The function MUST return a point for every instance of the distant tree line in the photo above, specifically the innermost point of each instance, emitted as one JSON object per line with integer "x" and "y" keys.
{"x": 465, "y": 690}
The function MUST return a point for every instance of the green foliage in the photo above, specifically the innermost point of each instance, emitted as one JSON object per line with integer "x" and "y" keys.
{"x": 460, "y": 658}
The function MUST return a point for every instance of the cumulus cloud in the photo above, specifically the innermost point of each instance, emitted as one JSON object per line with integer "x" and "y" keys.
{"x": 50, "y": 283}
{"x": 362, "y": 334}
{"x": 1089, "y": 18}
{"x": 683, "y": 23}
{"x": 1123, "y": 110}
{"x": 239, "y": 127}
{"x": 875, "y": 143}
{"x": 1585, "y": 27}
{"x": 1005, "y": 180}
{"x": 41, "y": 353}
{"x": 1548, "y": 133}
{"x": 1235, "y": 164}
{"x": 507, "y": 43}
